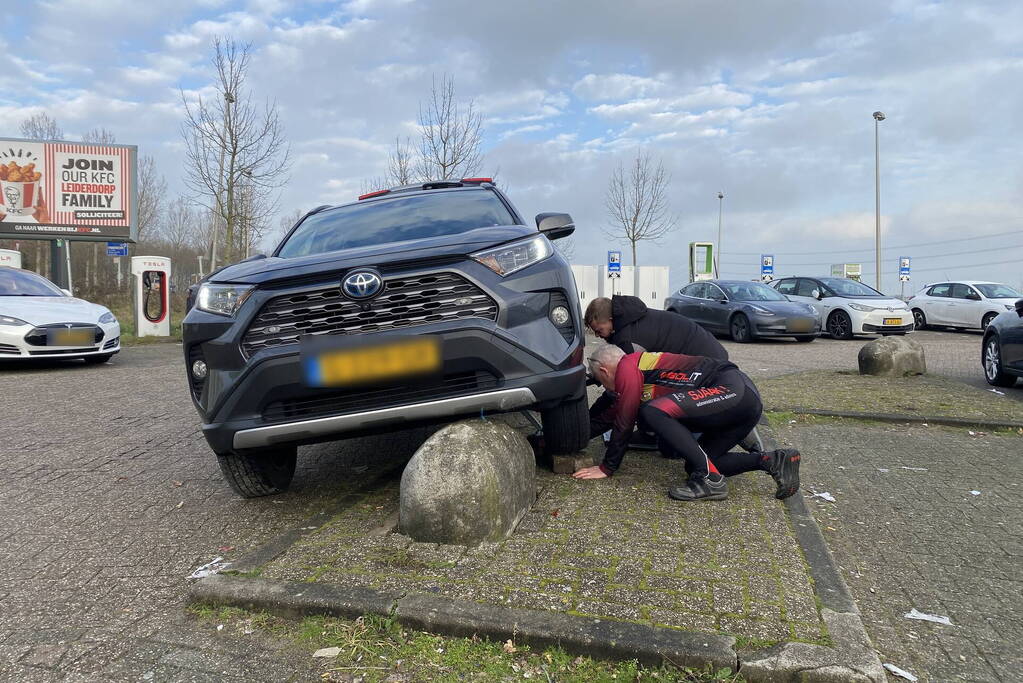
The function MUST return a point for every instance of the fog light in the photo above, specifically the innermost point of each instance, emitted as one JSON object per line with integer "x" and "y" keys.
{"x": 199, "y": 369}
{"x": 560, "y": 316}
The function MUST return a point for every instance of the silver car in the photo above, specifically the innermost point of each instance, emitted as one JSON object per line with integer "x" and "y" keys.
{"x": 963, "y": 304}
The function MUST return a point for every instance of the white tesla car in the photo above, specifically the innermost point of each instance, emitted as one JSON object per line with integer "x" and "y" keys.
{"x": 848, "y": 307}
{"x": 40, "y": 320}
{"x": 962, "y": 303}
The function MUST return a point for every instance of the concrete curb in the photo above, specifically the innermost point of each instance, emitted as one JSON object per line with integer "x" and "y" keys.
{"x": 852, "y": 657}
{"x": 899, "y": 417}
{"x": 460, "y": 618}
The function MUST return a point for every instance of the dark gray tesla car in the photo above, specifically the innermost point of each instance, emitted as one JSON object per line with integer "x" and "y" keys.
{"x": 745, "y": 310}
{"x": 1002, "y": 349}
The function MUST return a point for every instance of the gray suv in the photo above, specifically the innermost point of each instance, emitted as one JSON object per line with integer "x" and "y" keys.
{"x": 413, "y": 305}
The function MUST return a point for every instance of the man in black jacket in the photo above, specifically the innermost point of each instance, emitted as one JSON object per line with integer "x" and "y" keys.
{"x": 625, "y": 320}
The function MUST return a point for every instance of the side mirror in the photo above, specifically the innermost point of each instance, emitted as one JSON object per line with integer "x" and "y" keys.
{"x": 817, "y": 294}
{"x": 973, "y": 296}
{"x": 555, "y": 225}
{"x": 1019, "y": 307}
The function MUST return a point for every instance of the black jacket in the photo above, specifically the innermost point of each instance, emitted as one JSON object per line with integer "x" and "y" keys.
{"x": 657, "y": 330}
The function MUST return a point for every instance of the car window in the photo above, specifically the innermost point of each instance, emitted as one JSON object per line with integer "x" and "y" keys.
{"x": 998, "y": 291}
{"x": 961, "y": 291}
{"x": 787, "y": 286}
{"x": 24, "y": 283}
{"x": 396, "y": 220}
{"x": 940, "y": 290}
{"x": 713, "y": 292}
{"x": 843, "y": 286}
{"x": 807, "y": 288}
{"x": 752, "y": 291}
{"x": 694, "y": 289}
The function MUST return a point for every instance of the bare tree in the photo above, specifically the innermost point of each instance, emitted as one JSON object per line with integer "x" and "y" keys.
{"x": 401, "y": 163}
{"x": 178, "y": 223}
{"x": 151, "y": 190}
{"x": 235, "y": 150}
{"x": 450, "y": 134}
{"x": 637, "y": 203}
{"x": 99, "y": 136}
{"x": 41, "y": 127}
{"x": 566, "y": 247}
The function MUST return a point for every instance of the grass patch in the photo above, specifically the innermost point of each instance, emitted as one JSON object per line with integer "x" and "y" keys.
{"x": 922, "y": 396}
{"x": 378, "y": 649}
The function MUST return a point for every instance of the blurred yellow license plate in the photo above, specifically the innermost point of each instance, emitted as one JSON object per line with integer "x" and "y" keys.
{"x": 893, "y": 321}
{"x": 70, "y": 338}
{"x": 385, "y": 362}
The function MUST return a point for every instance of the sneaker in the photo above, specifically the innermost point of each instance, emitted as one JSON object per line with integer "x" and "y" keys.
{"x": 784, "y": 469}
{"x": 703, "y": 488}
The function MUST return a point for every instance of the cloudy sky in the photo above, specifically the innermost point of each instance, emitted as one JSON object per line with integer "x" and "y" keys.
{"x": 769, "y": 102}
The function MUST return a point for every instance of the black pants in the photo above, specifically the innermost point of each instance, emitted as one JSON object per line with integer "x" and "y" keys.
{"x": 723, "y": 414}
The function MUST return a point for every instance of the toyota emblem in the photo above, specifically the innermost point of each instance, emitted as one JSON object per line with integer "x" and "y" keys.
{"x": 361, "y": 284}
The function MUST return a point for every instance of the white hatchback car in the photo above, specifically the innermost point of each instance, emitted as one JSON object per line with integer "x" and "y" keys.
{"x": 40, "y": 320}
{"x": 848, "y": 307}
{"x": 962, "y": 304}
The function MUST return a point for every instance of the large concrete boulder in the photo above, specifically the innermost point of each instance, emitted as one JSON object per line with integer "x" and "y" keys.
{"x": 892, "y": 357}
{"x": 470, "y": 482}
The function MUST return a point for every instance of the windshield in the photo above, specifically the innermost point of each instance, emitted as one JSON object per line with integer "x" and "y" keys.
{"x": 752, "y": 291}
{"x": 24, "y": 283}
{"x": 998, "y": 291}
{"x": 396, "y": 220}
{"x": 845, "y": 287}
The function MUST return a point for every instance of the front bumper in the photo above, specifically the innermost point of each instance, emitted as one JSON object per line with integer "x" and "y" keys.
{"x": 15, "y": 346}
{"x": 786, "y": 326}
{"x": 878, "y": 322}
{"x": 518, "y": 360}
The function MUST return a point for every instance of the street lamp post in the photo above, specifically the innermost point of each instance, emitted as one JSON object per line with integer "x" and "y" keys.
{"x": 717, "y": 247}
{"x": 878, "y": 118}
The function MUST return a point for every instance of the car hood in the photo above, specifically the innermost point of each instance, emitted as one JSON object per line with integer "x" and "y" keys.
{"x": 1008, "y": 301}
{"x": 415, "y": 251}
{"x": 42, "y": 310}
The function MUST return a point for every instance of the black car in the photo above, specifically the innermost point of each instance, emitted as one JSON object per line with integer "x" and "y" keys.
{"x": 745, "y": 310}
{"x": 1002, "y": 348}
{"x": 412, "y": 305}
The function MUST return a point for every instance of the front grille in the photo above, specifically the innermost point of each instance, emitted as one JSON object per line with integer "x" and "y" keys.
{"x": 356, "y": 401}
{"x": 405, "y": 302}
{"x": 8, "y": 349}
{"x": 60, "y": 352}
{"x": 37, "y": 335}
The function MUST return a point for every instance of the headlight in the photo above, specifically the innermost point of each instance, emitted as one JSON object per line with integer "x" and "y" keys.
{"x": 762, "y": 311}
{"x": 107, "y": 317}
{"x": 861, "y": 307}
{"x": 222, "y": 299}
{"x": 8, "y": 320}
{"x": 507, "y": 259}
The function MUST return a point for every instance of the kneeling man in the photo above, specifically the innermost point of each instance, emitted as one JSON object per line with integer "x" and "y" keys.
{"x": 675, "y": 395}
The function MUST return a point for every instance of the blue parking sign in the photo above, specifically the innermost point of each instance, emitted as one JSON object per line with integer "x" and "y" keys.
{"x": 766, "y": 267}
{"x": 614, "y": 261}
{"x": 904, "y": 268}
{"x": 117, "y": 249}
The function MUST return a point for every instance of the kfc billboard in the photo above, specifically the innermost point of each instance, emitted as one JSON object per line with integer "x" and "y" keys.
{"x": 67, "y": 190}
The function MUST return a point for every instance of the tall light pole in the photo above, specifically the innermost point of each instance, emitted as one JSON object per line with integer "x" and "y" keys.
{"x": 717, "y": 247}
{"x": 878, "y": 118}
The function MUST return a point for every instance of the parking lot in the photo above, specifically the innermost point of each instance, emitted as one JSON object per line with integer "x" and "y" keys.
{"x": 110, "y": 499}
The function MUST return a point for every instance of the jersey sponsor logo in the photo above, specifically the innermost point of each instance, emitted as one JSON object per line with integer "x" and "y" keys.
{"x": 678, "y": 376}
{"x": 707, "y": 392}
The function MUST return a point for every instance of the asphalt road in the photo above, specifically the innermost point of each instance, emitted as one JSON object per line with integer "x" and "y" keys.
{"x": 109, "y": 498}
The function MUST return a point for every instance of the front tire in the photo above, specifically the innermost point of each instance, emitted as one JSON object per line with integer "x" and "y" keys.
{"x": 919, "y": 319}
{"x": 740, "y": 329}
{"x": 987, "y": 320}
{"x": 992, "y": 357}
{"x": 566, "y": 427}
{"x": 97, "y": 360}
{"x": 840, "y": 325}
{"x": 253, "y": 474}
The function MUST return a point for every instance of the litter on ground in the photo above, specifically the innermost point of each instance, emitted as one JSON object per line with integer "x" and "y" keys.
{"x": 974, "y": 493}
{"x": 913, "y": 469}
{"x": 327, "y": 652}
{"x": 914, "y": 614}
{"x": 896, "y": 671}
{"x": 995, "y": 391}
{"x": 826, "y": 496}
{"x": 214, "y": 566}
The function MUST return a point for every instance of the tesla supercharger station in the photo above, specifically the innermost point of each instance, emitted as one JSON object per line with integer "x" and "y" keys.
{"x": 9, "y": 257}
{"x": 152, "y": 295}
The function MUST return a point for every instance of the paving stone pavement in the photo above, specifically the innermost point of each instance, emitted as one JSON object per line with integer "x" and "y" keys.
{"x": 109, "y": 497}
{"x": 908, "y": 533}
